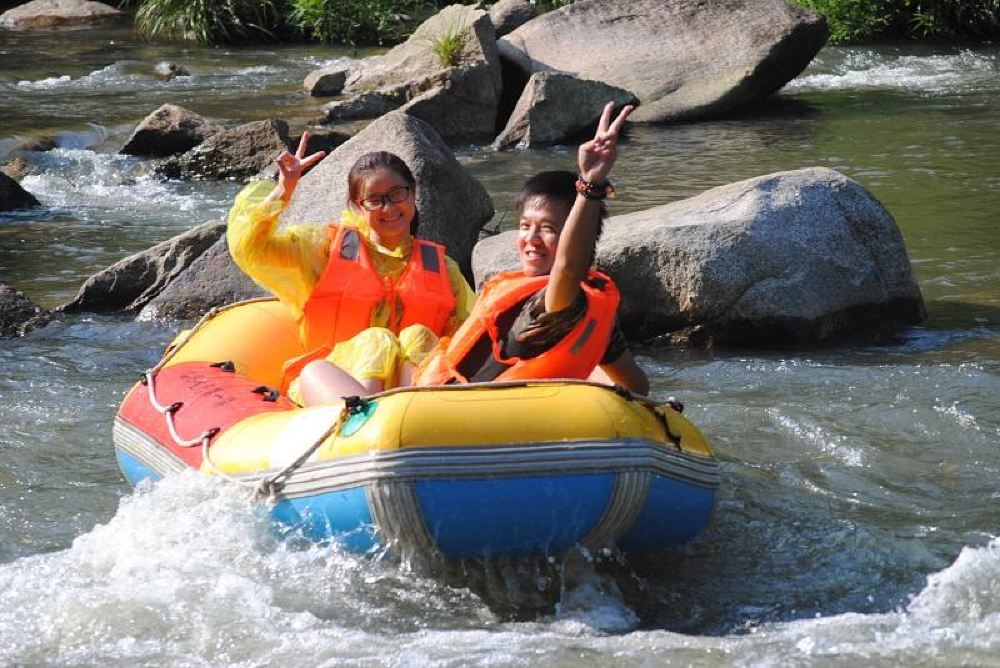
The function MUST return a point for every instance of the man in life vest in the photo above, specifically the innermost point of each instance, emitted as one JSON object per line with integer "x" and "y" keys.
{"x": 556, "y": 316}
{"x": 370, "y": 298}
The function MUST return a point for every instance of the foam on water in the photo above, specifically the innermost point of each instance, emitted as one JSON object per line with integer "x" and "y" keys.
{"x": 858, "y": 68}
{"x": 89, "y": 184}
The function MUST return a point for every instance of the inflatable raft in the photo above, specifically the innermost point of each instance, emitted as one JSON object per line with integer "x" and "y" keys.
{"x": 462, "y": 470}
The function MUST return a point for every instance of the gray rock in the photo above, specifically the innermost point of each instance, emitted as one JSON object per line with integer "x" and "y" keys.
{"x": 794, "y": 257}
{"x": 800, "y": 256}
{"x": 168, "y": 130}
{"x": 318, "y": 141}
{"x": 453, "y": 206}
{"x": 412, "y": 69}
{"x": 42, "y": 143}
{"x": 52, "y": 13}
{"x": 684, "y": 59}
{"x": 509, "y": 15}
{"x": 131, "y": 283}
{"x": 449, "y": 112}
{"x": 16, "y": 168}
{"x": 494, "y": 254}
{"x": 212, "y": 280}
{"x": 556, "y": 107}
{"x": 13, "y": 196}
{"x": 167, "y": 71}
{"x": 327, "y": 81}
{"x": 18, "y": 314}
{"x": 371, "y": 104}
{"x": 236, "y": 153}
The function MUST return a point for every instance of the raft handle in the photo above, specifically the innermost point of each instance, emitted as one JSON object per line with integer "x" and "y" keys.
{"x": 269, "y": 393}
{"x": 226, "y": 366}
{"x": 676, "y": 404}
{"x": 355, "y": 404}
{"x": 174, "y": 407}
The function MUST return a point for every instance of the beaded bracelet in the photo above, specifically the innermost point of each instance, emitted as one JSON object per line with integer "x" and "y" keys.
{"x": 595, "y": 190}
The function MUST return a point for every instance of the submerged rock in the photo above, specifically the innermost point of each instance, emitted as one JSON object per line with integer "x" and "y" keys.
{"x": 168, "y": 130}
{"x": 793, "y": 257}
{"x": 131, "y": 283}
{"x": 166, "y": 71}
{"x": 684, "y": 59}
{"x": 453, "y": 206}
{"x": 18, "y": 314}
{"x": 13, "y": 196}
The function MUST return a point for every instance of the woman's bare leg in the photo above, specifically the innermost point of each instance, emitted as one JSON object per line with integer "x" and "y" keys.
{"x": 324, "y": 383}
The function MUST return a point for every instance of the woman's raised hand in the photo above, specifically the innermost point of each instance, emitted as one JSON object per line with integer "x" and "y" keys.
{"x": 597, "y": 156}
{"x": 292, "y": 167}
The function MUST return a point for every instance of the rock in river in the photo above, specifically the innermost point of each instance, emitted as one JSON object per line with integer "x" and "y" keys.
{"x": 683, "y": 59}
{"x": 53, "y": 13}
{"x": 18, "y": 313}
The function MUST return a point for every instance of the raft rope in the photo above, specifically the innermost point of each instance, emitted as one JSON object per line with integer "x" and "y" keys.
{"x": 268, "y": 487}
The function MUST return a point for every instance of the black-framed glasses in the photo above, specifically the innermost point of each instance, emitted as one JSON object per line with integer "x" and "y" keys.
{"x": 394, "y": 196}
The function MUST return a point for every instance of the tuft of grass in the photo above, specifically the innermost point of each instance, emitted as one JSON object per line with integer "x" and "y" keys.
{"x": 209, "y": 21}
{"x": 448, "y": 46}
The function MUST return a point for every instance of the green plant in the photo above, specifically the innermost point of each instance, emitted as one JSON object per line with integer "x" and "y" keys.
{"x": 860, "y": 20}
{"x": 354, "y": 22}
{"x": 448, "y": 46}
{"x": 209, "y": 21}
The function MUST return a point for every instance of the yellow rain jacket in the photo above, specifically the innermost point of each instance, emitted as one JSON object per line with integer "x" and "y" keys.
{"x": 289, "y": 262}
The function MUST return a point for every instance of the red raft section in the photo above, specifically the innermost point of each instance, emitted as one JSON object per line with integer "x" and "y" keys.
{"x": 204, "y": 397}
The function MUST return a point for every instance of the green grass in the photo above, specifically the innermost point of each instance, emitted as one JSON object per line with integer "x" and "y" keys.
{"x": 866, "y": 20}
{"x": 210, "y": 21}
{"x": 448, "y": 46}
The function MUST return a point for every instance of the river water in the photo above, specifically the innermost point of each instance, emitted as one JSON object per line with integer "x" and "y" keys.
{"x": 857, "y": 519}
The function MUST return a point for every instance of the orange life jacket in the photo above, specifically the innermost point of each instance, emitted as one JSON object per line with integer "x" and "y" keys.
{"x": 574, "y": 356}
{"x": 350, "y": 287}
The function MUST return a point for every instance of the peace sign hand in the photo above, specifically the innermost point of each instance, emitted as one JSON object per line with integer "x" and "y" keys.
{"x": 597, "y": 156}
{"x": 292, "y": 167}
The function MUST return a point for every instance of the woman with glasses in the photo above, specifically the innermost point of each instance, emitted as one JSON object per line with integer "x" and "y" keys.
{"x": 369, "y": 296}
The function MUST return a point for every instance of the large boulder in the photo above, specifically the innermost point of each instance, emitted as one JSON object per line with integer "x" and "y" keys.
{"x": 556, "y": 107}
{"x": 453, "y": 206}
{"x": 168, "y": 130}
{"x": 241, "y": 153}
{"x": 52, "y": 13}
{"x": 471, "y": 76}
{"x": 684, "y": 59}
{"x": 18, "y": 313}
{"x": 509, "y": 15}
{"x": 794, "y": 257}
{"x": 131, "y": 283}
{"x": 13, "y": 196}
{"x": 212, "y": 280}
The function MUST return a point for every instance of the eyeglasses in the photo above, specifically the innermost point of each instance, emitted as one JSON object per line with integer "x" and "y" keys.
{"x": 394, "y": 196}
